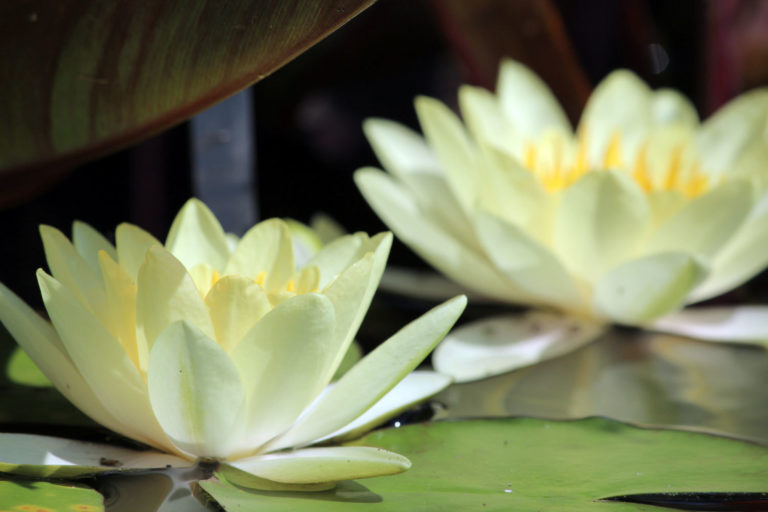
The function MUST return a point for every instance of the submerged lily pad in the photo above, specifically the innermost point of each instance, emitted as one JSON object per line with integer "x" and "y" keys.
{"x": 48, "y": 497}
{"x": 526, "y": 465}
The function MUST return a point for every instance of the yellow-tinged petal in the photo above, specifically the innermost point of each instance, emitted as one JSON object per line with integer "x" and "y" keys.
{"x": 293, "y": 340}
{"x": 351, "y": 293}
{"x": 195, "y": 391}
{"x": 668, "y": 106}
{"x": 513, "y": 193}
{"x": 204, "y": 277}
{"x": 527, "y": 101}
{"x": 41, "y": 342}
{"x": 132, "y": 245}
{"x": 71, "y": 270}
{"x": 453, "y": 148}
{"x": 335, "y": 257}
{"x": 403, "y": 215}
{"x": 197, "y": 237}
{"x": 600, "y": 220}
{"x": 619, "y": 106}
{"x": 704, "y": 225}
{"x": 266, "y": 248}
{"x": 102, "y": 362}
{"x": 400, "y": 149}
{"x": 735, "y": 131}
{"x": 166, "y": 295}
{"x": 526, "y": 263}
{"x": 644, "y": 289}
{"x": 373, "y": 376}
{"x": 742, "y": 258}
{"x": 88, "y": 242}
{"x": 308, "y": 280}
{"x": 235, "y": 304}
{"x": 121, "y": 310}
{"x": 318, "y": 465}
{"x": 486, "y": 121}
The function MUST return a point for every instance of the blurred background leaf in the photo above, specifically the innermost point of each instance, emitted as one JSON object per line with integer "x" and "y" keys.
{"x": 83, "y": 77}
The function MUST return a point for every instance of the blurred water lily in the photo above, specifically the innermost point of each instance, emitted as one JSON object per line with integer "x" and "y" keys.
{"x": 213, "y": 348}
{"x": 639, "y": 212}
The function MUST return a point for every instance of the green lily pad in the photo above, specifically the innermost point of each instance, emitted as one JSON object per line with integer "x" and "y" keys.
{"x": 19, "y": 496}
{"x": 526, "y": 465}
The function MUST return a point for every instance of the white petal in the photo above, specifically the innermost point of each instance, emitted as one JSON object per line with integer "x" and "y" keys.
{"x": 167, "y": 294}
{"x": 284, "y": 363}
{"x": 71, "y": 270}
{"x": 195, "y": 391}
{"x": 705, "y": 225}
{"x": 734, "y": 132}
{"x": 102, "y": 362}
{"x": 498, "y": 345}
{"x": 527, "y": 264}
{"x": 235, "y": 304}
{"x": 402, "y": 214}
{"x": 373, "y": 377}
{"x": 485, "y": 119}
{"x": 338, "y": 255}
{"x": 737, "y": 323}
{"x": 88, "y": 242}
{"x": 599, "y": 223}
{"x": 351, "y": 294}
{"x": 132, "y": 245}
{"x": 197, "y": 237}
{"x": 743, "y": 256}
{"x": 642, "y": 290}
{"x": 620, "y": 106}
{"x": 267, "y": 247}
{"x": 455, "y": 151}
{"x": 39, "y": 340}
{"x": 527, "y": 101}
{"x": 54, "y": 457}
{"x": 316, "y": 465}
{"x": 416, "y": 387}
{"x": 399, "y": 149}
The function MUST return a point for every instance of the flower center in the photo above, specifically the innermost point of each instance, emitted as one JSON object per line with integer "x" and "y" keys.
{"x": 558, "y": 161}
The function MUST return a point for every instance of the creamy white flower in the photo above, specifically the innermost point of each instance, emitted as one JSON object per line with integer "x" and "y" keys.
{"x": 212, "y": 348}
{"x": 637, "y": 213}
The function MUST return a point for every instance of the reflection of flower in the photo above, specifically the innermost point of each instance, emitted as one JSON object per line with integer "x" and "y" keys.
{"x": 209, "y": 352}
{"x": 641, "y": 211}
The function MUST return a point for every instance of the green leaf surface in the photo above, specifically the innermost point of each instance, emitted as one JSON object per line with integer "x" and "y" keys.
{"x": 22, "y": 370}
{"x": 82, "y": 77}
{"x": 527, "y": 465}
{"x": 18, "y": 496}
{"x": 634, "y": 376}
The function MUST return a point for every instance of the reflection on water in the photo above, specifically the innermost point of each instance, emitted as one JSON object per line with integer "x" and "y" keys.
{"x": 166, "y": 490}
{"x": 633, "y": 376}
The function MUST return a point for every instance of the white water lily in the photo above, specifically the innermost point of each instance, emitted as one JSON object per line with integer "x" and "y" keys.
{"x": 205, "y": 349}
{"x": 639, "y": 212}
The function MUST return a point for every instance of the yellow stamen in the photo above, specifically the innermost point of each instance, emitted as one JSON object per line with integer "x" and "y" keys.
{"x": 215, "y": 277}
{"x": 260, "y": 278}
{"x": 291, "y": 286}
{"x": 612, "y": 158}
{"x": 530, "y": 156}
{"x": 641, "y": 174}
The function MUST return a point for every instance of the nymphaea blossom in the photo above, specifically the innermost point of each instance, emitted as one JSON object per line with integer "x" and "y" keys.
{"x": 218, "y": 349}
{"x": 637, "y": 213}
